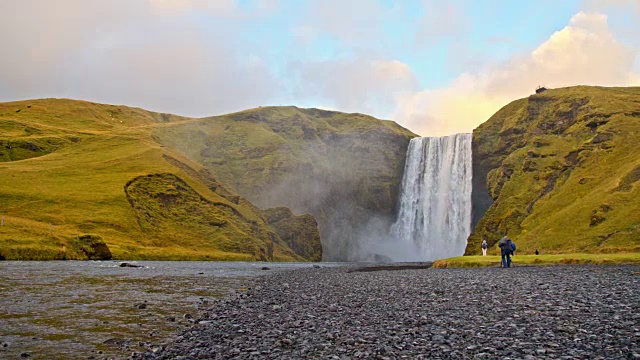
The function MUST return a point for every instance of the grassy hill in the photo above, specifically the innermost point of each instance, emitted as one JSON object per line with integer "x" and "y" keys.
{"x": 344, "y": 169}
{"x": 559, "y": 172}
{"x": 73, "y": 168}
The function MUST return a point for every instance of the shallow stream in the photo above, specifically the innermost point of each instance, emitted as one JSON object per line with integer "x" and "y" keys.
{"x": 97, "y": 309}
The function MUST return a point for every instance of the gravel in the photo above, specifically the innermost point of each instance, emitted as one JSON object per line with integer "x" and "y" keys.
{"x": 562, "y": 312}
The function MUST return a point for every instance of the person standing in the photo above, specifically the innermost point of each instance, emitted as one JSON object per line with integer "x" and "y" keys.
{"x": 505, "y": 251}
{"x": 484, "y": 247}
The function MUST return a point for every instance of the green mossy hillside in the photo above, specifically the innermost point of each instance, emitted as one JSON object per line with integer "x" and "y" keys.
{"x": 64, "y": 165}
{"x": 558, "y": 172}
{"x": 299, "y": 232}
{"x": 168, "y": 210}
{"x": 344, "y": 169}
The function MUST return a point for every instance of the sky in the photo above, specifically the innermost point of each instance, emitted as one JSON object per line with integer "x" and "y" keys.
{"x": 435, "y": 67}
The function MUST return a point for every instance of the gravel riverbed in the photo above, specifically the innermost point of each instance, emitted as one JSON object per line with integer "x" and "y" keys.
{"x": 562, "y": 312}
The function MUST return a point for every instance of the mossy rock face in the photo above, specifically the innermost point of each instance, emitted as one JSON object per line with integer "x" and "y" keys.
{"x": 169, "y": 210}
{"x": 558, "y": 172}
{"x": 92, "y": 246}
{"x": 344, "y": 169}
{"x": 300, "y": 232}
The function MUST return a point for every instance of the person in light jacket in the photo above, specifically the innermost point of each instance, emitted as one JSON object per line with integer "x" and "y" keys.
{"x": 484, "y": 247}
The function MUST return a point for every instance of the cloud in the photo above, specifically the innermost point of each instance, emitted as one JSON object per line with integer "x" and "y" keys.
{"x": 128, "y": 52}
{"x": 359, "y": 84}
{"x": 585, "y": 52}
{"x": 172, "y": 6}
{"x": 220, "y": 8}
{"x": 600, "y": 5}
{"x": 303, "y": 34}
{"x": 441, "y": 20}
{"x": 355, "y": 22}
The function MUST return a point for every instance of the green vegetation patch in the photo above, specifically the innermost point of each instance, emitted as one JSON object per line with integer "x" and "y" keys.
{"x": 560, "y": 170}
{"x": 299, "y": 232}
{"x": 531, "y": 260}
{"x": 171, "y": 212}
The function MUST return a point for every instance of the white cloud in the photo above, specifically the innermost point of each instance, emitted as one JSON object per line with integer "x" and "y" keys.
{"x": 126, "y": 52}
{"x": 224, "y": 8}
{"x": 355, "y": 22}
{"x": 585, "y": 52}
{"x": 182, "y": 5}
{"x": 360, "y": 84}
{"x": 441, "y": 20}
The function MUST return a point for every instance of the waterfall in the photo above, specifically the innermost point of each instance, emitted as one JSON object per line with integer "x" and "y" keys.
{"x": 434, "y": 215}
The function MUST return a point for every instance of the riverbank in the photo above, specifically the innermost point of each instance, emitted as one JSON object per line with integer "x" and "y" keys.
{"x": 544, "y": 260}
{"x": 524, "y": 312}
{"x": 99, "y": 309}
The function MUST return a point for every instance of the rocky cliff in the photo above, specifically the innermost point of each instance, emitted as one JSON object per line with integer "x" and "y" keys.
{"x": 559, "y": 171}
{"x": 344, "y": 169}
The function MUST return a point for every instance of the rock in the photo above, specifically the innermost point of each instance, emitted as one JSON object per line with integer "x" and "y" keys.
{"x": 125, "y": 264}
{"x": 116, "y": 342}
{"x": 25, "y": 355}
{"x": 300, "y": 232}
{"x": 265, "y": 268}
{"x": 93, "y": 247}
{"x": 334, "y": 312}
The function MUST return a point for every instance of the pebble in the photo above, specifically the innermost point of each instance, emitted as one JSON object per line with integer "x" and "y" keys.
{"x": 330, "y": 313}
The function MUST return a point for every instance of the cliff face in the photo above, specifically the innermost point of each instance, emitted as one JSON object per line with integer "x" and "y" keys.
{"x": 559, "y": 172}
{"x": 344, "y": 169}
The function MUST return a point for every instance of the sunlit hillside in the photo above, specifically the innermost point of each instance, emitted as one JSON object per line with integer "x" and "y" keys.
{"x": 65, "y": 170}
{"x": 562, "y": 169}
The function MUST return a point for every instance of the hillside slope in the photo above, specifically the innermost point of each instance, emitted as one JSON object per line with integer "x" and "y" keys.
{"x": 559, "y": 172}
{"x": 344, "y": 169}
{"x": 75, "y": 176}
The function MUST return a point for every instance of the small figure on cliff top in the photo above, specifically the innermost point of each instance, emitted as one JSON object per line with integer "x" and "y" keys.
{"x": 484, "y": 247}
{"x": 505, "y": 250}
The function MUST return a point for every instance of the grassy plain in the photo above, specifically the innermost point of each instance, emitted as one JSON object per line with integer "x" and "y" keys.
{"x": 533, "y": 260}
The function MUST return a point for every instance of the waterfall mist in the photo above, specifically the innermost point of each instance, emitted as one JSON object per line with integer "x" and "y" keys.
{"x": 434, "y": 212}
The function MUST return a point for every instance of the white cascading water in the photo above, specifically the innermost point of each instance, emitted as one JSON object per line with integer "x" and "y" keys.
{"x": 434, "y": 218}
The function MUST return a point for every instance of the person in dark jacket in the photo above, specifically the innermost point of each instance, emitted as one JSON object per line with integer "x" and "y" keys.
{"x": 505, "y": 251}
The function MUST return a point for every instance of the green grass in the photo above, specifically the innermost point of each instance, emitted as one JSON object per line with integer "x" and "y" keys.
{"x": 536, "y": 260}
{"x": 50, "y": 195}
{"x": 560, "y": 183}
